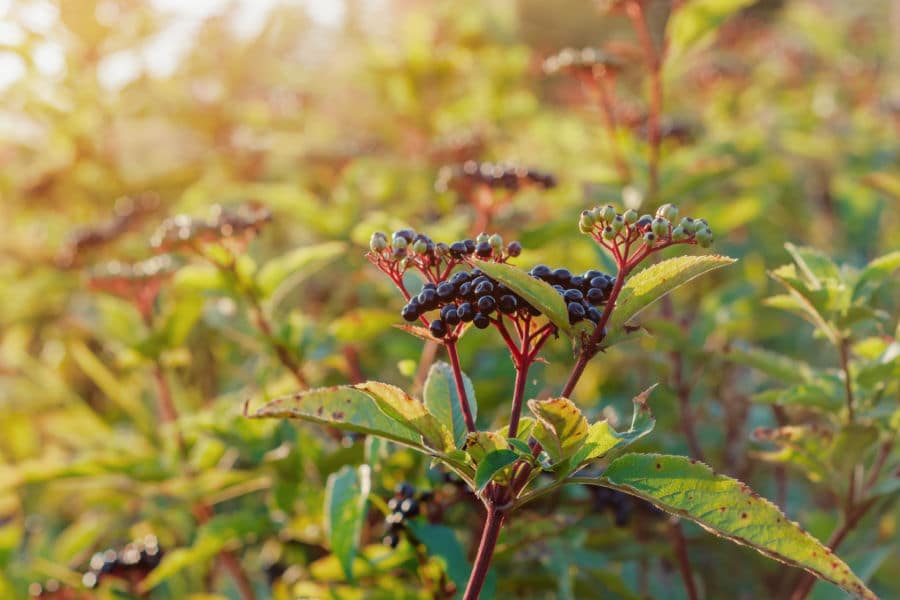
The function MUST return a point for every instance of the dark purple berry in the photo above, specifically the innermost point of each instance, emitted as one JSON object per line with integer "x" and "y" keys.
{"x": 407, "y": 234}
{"x": 470, "y": 246}
{"x": 484, "y": 288}
{"x": 576, "y": 281}
{"x": 487, "y": 304}
{"x": 562, "y": 276}
{"x": 465, "y": 312}
{"x": 438, "y": 328}
{"x": 594, "y": 314}
{"x": 483, "y": 249}
{"x": 507, "y": 304}
{"x": 596, "y": 296}
{"x": 465, "y": 290}
{"x": 514, "y": 249}
{"x": 409, "y": 313}
{"x": 481, "y": 321}
{"x": 576, "y": 312}
{"x": 428, "y": 299}
{"x": 446, "y": 290}
{"x": 459, "y": 278}
{"x": 573, "y": 295}
{"x": 452, "y": 317}
{"x": 409, "y": 508}
{"x": 541, "y": 272}
{"x": 457, "y": 249}
{"x": 404, "y": 490}
{"x": 588, "y": 275}
{"x": 393, "y": 503}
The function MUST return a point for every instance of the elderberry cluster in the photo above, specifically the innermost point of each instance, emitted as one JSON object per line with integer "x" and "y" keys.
{"x": 467, "y": 297}
{"x": 584, "y": 293}
{"x": 132, "y": 562}
{"x": 51, "y": 590}
{"x": 182, "y": 231}
{"x": 404, "y": 504}
{"x": 494, "y": 175}
{"x": 605, "y": 224}
{"x": 585, "y": 59}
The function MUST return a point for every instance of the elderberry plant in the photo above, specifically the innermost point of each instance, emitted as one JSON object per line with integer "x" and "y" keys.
{"x": 473, "y": 282}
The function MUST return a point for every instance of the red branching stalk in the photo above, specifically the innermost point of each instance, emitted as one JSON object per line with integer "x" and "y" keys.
{"x": 492, "y": 524}
{"x": 460, "y": 386}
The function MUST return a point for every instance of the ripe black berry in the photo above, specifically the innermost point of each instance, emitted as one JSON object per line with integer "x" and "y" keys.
{"x": 514, "y": 249}
{"x": 589, "y": 275}
{"x": 409, "y": 508}
{"x": 481, "y": 321}
{"x": 507, "y": 304}
{"x": 457, "y": 249}
{"x": 562, "y": 276}
{"x": 465, "y": 312}
{"x": 438, "y": 328}
{"x": 576, "y": 312}
{"x": 573, "y": 295}
{"x": 484, "y": 288}
{"x": 404, "y": 490}
{"x": 470, "y": 246}
{"x": 459, "y": 278}
{"x": 465, "y": 290}
{"x": 594, "y": 314}
{"x": 577, "y": 281}
{"x": 595, "y": 295}
{"x": 407, "y": 234}
{"x": 541, "y": 272}
{"x": 487, "y": 304}
{"x": 409, "y": 313}
{"x": 483, "y": 249}
{"x": 446, "y": 290}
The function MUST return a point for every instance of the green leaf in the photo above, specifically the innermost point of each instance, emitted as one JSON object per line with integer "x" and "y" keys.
{"x": 805, "y": 302}
{"x": 814, "y": 266}
{"x": 728, "y": 508}
{"x": 851, "y": 444}
{"x": 537, "y": 292}
{"x": 819, "y": 394}
{"x": 560, "y": 428}
{"x": 403, "y": 408}
{"x": 292, "y": 267}
{"x": 603, "y": 439}
{"x": 491, "y": 464}
{"x": 345, "y": 509}
{"x": 875, "y": 274}
{"x": 773, "y": 364}
{"x": 443, "y": 402}
{"x": 441, "y": 543}
{"x": 343, "y": 407}
{"x": 651, "y": 284}
{"x": 695, "y": 21}
{"x": 803, "y": 446}
{"x": 481, "y": 443}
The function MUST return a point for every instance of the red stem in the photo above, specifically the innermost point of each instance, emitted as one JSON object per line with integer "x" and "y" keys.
{"x": 460, "y": 386}
{"x": 639, "y": 21}
{"x": 492, "y": 524}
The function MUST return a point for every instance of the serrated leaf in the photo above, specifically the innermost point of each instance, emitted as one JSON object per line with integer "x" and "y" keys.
{"x": 442, "y": 400}
{"x": 560, "y": 427}
{"x": 343, "y": 407}
{"x": 292, "y": 267}
{"x": 346, "y": 493}
{"x": 537, "y": 292}
{"x": 651, "y": 284}
{"x": 492, "y": 463}
{"x": 403, "y": 408}
{"x": 803, "y": 446}
{"x": 814, "y": 394}
{"x": 519, "y": 446}
{"x": 814, "y": 266}
{"x": 728, "y": 508}
{"x": 771, "y": 363}
{"x": 806, "y": 302}
{"x": 603, "y": 439}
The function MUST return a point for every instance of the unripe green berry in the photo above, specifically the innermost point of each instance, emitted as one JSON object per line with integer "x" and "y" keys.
{"x": 630, "y": 216}
{"x": 597, "y": 214}
{"x": 689, "y": 225}
{"x": 617, "y": 223}
{"x": 496, "y": 242}
{"x": 608, "y": 233}
{"x": 608, "y": 213}
{"x": 441, "y": 249}
{"x": 679, "y": 234}
{"x": 378, "y": 242}
{"x": 667, "y": 211}
{"x": 586, "y": 222}
{"x": 650, "y": 238}
{"x": 482, "y": 237}
{"x": 705, "y": 237}
{"x": 420, "y": 246}
{"x": 399, "y": 243}
{"x": 660, "y": 227}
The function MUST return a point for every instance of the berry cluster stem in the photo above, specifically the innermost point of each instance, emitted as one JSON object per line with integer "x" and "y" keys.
{"x": 460, "y": 386}
{"x": 590, "y": 348}
{"x": 492, "y": 524}
{"x": 653, "y": 58}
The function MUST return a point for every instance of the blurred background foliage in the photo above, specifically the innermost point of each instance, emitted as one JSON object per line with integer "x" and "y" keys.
{"x": 782, "y": 123}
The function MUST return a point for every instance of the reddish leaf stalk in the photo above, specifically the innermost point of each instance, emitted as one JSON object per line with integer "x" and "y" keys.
{"x": 460, "y": 386}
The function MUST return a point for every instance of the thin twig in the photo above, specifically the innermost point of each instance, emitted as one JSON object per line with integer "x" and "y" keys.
{"x": 460, "y": 386}
{"x": 679, "y": 544}
{"x": 654, "y": 64}
{"x": 492, "y": 524}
